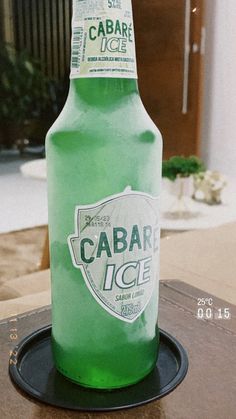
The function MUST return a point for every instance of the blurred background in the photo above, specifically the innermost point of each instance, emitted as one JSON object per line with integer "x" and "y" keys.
{"x": 186, "y": 72}
{"x": 187, "y": 67}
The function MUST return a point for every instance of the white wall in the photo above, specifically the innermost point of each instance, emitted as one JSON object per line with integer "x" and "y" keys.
{"x": 219, "y": 112}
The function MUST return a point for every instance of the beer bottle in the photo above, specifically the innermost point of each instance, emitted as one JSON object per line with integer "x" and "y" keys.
{"x": 104, "y": 158}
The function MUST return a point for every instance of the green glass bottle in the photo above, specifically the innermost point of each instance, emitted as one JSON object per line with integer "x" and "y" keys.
{"x": 104, "y": 157}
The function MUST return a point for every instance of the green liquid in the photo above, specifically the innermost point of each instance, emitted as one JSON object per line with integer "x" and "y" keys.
{"x": 102, "y": 142}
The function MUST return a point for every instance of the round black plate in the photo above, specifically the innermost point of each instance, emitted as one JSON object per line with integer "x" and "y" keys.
{"x": 32, "y": 369}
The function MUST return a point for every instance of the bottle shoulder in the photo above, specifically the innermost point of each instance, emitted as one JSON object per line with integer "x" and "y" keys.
{"x": 126, "y": 119}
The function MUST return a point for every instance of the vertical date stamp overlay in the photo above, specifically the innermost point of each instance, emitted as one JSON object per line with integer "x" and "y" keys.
{"x": 207, "y": 311}
{"x": 13, "y": 336}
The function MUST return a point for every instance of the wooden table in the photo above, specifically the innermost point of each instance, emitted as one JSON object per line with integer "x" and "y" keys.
{"x": 208, "y": 391}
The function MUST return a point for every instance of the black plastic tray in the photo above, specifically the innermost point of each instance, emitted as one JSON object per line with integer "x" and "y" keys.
{"x": 31, "y": 368}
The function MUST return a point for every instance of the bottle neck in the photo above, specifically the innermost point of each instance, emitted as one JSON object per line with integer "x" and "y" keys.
{"x": 103, "y": 61}
{"x": 102, "y": 91}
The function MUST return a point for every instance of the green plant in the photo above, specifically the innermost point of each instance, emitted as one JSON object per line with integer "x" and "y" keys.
{"x": 26, "y": 93}
{"x": 179, "y": 166}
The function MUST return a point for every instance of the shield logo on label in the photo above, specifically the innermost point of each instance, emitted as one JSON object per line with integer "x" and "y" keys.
{"x": 116, "y": 246}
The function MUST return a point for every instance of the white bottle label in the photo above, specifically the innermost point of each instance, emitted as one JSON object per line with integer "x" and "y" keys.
{"x": 116, "y": 247}
{"x": 103, "y": 43}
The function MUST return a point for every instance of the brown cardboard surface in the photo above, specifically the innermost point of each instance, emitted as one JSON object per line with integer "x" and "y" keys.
{"x": 204, "y": 259}
{"x": 25, "y": 293}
